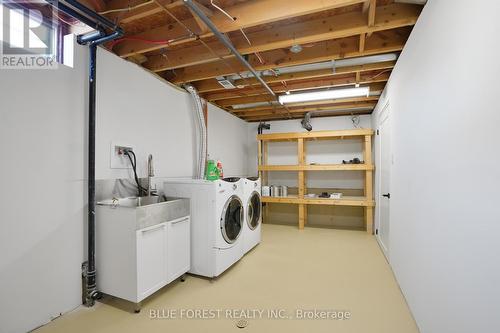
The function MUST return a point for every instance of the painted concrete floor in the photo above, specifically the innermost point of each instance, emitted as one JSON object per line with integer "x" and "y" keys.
{"x": 334, "y": 272}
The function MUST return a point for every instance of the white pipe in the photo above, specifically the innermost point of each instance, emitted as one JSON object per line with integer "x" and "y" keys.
{"x": 323, "y": 65}
{"x": 202, "y": 133}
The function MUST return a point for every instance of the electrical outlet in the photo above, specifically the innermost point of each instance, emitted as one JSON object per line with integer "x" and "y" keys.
{"x": 118, "y": 158}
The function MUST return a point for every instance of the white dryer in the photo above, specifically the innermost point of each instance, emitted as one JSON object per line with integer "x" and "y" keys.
{"x": 253, "y": 216}
{"x": 217, "y": 220}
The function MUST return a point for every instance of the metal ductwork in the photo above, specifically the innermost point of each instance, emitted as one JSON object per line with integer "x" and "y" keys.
{"x": 306, "y": 122}
{"x": 227, "y": 43}
{"x": 358, "y": 61}
{"x": 263, "y": 126}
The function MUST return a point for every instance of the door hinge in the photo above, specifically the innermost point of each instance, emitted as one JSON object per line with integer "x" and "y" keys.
{"x": 378, "y": 132}
{"x": 376, "y": 231}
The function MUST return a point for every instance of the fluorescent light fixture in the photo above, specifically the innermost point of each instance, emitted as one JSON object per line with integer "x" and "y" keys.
{"x": 324, "y": 94}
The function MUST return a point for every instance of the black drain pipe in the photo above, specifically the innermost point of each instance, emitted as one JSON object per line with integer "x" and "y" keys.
{"x": 93, "y": 39}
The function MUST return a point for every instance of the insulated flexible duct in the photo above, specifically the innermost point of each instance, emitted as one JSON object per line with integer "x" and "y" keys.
{"x": 202, "y": 132}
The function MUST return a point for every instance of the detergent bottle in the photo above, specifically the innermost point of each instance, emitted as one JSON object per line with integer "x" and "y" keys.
{"x": 212, "y": 172}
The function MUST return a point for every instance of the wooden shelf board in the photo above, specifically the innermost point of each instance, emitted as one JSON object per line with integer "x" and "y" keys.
{"x": 367, "y": 202}
{"x": 315, "y": 135}
{"x": 345, "y": 201}
{"x": 317, "y": 167}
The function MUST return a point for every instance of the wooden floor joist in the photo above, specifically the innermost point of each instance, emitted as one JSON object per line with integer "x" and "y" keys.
{"x": 286, "y": 116}
{"x": 380, "y": 42}
{"x": 246, "y": 14}
{"x": 349, "y": 24}
{"x": 295, "y": 86}
{"x": 211, "y": 85}
{"x": 174, "y": 44}
{"x": 302, "y": 104}
{"x": 291, "y": 110}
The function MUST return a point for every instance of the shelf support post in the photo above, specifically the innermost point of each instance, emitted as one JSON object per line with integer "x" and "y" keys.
{"x": 367, "y": 152}
{"x": 301, "y": 183}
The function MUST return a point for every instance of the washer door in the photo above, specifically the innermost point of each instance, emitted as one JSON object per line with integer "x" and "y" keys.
{"x": 231, "y": 220}
{"x": 254, "y": 211}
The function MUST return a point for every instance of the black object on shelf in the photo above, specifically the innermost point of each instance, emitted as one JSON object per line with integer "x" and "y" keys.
{"x": 353, "y": 161}
{"x": 324, "y": 195}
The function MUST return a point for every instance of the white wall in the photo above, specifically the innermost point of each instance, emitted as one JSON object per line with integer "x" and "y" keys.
{"x": 43, "y": 197}
{"x": 138, "y": 109}
{"x": 317, "y": 152}
{"x": 43, "y": 170}
{"x": 444, "y": 221}
{"x": 227, "y": 139}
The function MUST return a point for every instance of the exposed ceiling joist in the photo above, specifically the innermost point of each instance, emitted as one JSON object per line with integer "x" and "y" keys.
{"x": 246, "y": 14}
{"x": 275, "y": 37}
{"x": 139, "y": 9}
{"x": 269, "y": 108}
{"x": 362, "y": 41}
{"x": 96, "y": 5}
{"x": 203, "y": 28}
{"x": 371, "y": 15}
{"x": 299, "y": 86}
{"x": 345, "y": 25}
{"x": 301, "y": 115}
{"x": 260, "y": 96}
{"x": 381, "y": 42}
{"x": 345, "y": 106}
{"x": 212, "y": 85}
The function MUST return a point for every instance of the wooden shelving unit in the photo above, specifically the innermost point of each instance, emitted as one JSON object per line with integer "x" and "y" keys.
{"x": 301, "y": 168}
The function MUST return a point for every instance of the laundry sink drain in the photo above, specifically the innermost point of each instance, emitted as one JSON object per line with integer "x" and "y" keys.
{"x": 242, "y": 323}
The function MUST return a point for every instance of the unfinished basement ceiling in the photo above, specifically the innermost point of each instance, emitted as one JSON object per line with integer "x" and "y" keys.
{"x": 164, "y": 37}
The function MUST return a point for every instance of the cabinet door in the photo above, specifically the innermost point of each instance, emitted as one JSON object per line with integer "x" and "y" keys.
{"x": 151, "y": 260}
{"x": 178, "y": 248}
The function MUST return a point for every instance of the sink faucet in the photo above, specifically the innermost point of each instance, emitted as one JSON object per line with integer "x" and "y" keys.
{"x": 151, "y": 173}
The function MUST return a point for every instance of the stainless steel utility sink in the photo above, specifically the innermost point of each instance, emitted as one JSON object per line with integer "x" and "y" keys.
{"x": 145, "y": 211}
{"x": 151, "y": 200}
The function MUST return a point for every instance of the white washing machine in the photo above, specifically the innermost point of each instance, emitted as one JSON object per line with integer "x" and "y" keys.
{"x": 253, "y": 213}
{"x": 217, "y": 221}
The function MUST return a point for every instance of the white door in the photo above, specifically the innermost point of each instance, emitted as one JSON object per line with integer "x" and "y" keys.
{"x": 151, "y": 260}
{"x": 384, "y": 171}
{"x": 178, "y": 248}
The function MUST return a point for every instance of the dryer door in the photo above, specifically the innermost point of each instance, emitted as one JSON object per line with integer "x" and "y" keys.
{"x": 254, "y": 211}
{"x": 231, "y": 220}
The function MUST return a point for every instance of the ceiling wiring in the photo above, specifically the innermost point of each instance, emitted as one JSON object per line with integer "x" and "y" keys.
{"x": 222, "y": 10}
{"x": 150, "y": 41}
{"x": 74, "y": 22}
{"x": 126, "y": 9}
{"x": 382, "y": 72}
{"x": 257, "y": 55}
{"x": 224, "y": 60}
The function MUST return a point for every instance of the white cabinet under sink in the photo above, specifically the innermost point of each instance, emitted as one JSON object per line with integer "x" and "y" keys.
{"x": 178, "y": 254}
{"x": 151, "y": 259}
{"x": 134, "y": 263}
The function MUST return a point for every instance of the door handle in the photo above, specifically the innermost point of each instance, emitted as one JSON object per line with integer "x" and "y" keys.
{"x": 388, "y": 195}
